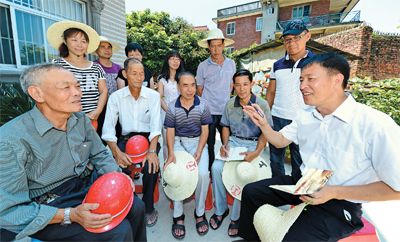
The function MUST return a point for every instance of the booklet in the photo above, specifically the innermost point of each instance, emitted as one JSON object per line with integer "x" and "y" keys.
{"x": 312, "y": 181}
{"x": 234, "y": 154}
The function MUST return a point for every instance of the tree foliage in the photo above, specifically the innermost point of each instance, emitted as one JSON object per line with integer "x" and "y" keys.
{"x": 158, "y": 33}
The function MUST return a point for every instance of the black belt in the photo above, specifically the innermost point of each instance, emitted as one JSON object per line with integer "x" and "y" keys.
{"x": 246, "y": 138}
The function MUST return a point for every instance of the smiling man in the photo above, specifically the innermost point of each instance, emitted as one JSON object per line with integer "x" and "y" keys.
{"x": 283, "y": 95}
{"x": 138, "y": 110}
{"x": 358, "y": 143}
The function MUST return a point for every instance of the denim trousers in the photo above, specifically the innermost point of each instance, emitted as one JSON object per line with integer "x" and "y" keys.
{"x": 190, "y": 145}
{"x": 277, "y": 155}
{"x": 219, "y": 190}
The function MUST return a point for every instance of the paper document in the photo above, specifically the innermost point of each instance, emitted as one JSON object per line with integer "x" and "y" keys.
{"x": 312, "y": 181}
{"x": 233, "y": 154}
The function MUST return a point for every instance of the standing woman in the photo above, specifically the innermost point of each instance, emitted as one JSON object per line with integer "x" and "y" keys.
{"x": 167, "y": 86}
{"x": 74, "y": 40}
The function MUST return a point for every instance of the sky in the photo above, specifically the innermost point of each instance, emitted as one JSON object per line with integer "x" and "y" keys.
{"x": 382, "y": 15}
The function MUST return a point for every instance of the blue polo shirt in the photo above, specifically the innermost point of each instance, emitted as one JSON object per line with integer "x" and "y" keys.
{"x": 187, "y": 123}
{"x": 239, "y": 123}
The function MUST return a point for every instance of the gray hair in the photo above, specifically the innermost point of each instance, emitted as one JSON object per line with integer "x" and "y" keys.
{"x": 131, "y": 61}
{"x": 32, "y": 76}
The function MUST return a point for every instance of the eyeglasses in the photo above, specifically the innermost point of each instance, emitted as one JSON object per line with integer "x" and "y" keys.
{"x": 175, "y": 59}
{"x": 293, "y": 39}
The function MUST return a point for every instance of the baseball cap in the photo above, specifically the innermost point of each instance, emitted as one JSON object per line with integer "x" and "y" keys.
{"x": 294, "y": 27}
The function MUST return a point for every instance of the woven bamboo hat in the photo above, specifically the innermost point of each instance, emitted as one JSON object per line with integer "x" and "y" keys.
{"x": 215, "y": 34}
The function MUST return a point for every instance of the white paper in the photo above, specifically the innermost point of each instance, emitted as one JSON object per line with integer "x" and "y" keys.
{"x": 233, "y": 154}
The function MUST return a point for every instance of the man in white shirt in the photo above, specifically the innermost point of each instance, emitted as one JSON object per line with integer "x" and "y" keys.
{"x": 358, "y": 143}
{"x": 138, "y": 111}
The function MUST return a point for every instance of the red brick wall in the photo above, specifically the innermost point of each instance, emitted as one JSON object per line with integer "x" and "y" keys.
{"x": 317, "y": 8}
{"x": 380, "y": 53}
{"x": 245, "y": 32}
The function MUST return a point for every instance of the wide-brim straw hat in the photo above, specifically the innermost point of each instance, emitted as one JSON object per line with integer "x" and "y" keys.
{"x": 237, "y": 174}
{"x": 215, "y": 34}
{"x": 55, "y": 34}
{"x": 115, "y": 46}
{"x": 180, "y": 178}
{"x": 272, "y": 223}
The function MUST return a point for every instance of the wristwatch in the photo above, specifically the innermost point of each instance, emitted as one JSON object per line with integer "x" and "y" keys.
{"x": 67, "y": 219}
{"x": 152, "y": 151}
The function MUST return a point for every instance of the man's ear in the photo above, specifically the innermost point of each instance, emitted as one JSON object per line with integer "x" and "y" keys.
{"x": 124, "y": 73}
{"x": 338, "y": 78}
{"x": 36, "y": 94}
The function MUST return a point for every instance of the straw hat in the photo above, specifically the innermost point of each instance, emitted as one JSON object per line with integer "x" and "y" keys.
{"x": 115, "y": 46}
{"x": 55, "y": 34}
{"x": 237, "y": 174}
{"x": 272, "y": 223}
{"x": 180, "y": 178}
{"x": 214, "y": 34}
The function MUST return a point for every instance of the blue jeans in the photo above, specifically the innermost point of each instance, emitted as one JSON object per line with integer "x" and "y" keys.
{"x": 277, "y": 155}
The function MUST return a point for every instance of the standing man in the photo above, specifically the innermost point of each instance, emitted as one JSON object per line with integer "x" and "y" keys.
{"x": 238, "y": 131}
{"x": 358, "y": 143}
{"x": 283, "y": 95}
{"x": 187, "y": 121}
{"x": 214, "y": 82}
{"x": 49, "y": 157}
{"x": 138, "y": 110}
{"x": 104, "y": 52}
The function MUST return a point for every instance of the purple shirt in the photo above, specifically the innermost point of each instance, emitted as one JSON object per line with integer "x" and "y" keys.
{"x": 111, "y": 75}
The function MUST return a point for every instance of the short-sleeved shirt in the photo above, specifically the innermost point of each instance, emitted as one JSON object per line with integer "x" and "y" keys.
{"x": 88, "y": 78}
{"x": 358, "y": 143}
{"x": 216, "y": 81}
{"x": 187, "y": 123}
{"x": 111, "y": 74}
{"x": 239, "y": 123}
{"x": 36, "y": 157}
{"x": 288, "y": 98}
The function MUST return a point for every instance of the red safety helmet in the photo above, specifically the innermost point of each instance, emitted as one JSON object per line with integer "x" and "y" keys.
{"x": 136, "y": 148}
{"x": 94, "y": 124}
{"x": 114, "y": 194}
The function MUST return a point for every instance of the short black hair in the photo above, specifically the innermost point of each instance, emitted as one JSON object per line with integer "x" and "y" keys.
{"x": 209, "y": 41}
{"x": 185, "y": 73}
{"x": 333, "y": 63}
{"x": 132, "y": 47}
{"x": 243, "y": 72}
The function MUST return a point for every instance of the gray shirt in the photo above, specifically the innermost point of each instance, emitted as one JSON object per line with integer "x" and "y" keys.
{"x": 240, "y": 124}
{"x": 216, "y": 82}
{"x": 35, "y": 158}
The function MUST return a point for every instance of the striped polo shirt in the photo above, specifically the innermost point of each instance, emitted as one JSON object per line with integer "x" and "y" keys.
{"x": 187, "y": 123}
{"x": 88, "y": 78}
{"x": 288, "y": 98}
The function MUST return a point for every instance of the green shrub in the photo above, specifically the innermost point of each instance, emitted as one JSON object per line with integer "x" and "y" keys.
{"x": 13, "y": 102}
{"x": 383, "y": 95}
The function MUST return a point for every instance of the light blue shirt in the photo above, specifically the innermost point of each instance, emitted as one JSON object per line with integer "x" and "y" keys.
{"x": 216, "y": 81}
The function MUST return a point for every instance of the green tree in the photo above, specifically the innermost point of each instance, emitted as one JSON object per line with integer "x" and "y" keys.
{"x": 158, "y": 33}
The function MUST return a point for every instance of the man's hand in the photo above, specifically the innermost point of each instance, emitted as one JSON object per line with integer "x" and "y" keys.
{"x": 322, "y": 196}
{"x": 122, "y": 159}
{"x": 256, "y": 114}
{"x": 154, "y": 163}
{"x": 249, "y": 155}
{"x": 82, "y": 215}
{"x": 93, "y": 115}
{"x": 197, "y": 156}
{"x": 224, "y": 150}
{"x": 171, "y": 158}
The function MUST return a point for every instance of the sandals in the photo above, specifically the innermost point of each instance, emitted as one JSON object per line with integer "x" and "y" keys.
{"x": 176, "y": 226}
{"x": 149, "y": 216}
{"x": 217, "y": 221}
{"x": 234, "y": 225}
{"x": 201, "y": 224}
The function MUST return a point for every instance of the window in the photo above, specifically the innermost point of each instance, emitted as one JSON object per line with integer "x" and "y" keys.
{"x": 230, "y": 28}
{"x": 32, "y": 19}
{"x": 259, "y": 24}
{"x": 229, "y": 50}
{"x": 301, "y": 11}
{"x": 270, "y": 10}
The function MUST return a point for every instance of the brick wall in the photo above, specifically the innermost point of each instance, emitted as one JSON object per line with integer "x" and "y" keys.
{"x": 317, "y": 8}
{"x": 245, "y": 32}
{"x": 380, "y": 53}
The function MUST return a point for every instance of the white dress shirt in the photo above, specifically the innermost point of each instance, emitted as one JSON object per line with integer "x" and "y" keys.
{"x": 141, "y": 115}
{"x": 358, "y": 143}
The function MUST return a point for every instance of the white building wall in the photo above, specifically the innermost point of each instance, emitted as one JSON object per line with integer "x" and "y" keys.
{"x": 113, "y": 26}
